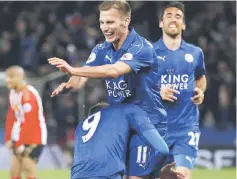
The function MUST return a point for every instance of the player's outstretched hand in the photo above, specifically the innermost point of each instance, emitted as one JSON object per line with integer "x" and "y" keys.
{"x": 167, "y": 93}
{"x": 198, "y": 97}
{"x": 60, "y": 88}
{"x": 167, "y": 172}
{"x": 61, "y": 64}
{"x": 73, "y": 82}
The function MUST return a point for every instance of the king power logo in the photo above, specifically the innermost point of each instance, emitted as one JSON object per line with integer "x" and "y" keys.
{"x": 179, "y": 82}
{"x": 118, "y": 88}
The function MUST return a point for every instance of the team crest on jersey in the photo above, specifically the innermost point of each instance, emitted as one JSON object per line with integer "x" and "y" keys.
{"x": 188, "y": 57}
{"x": 127, "y": 56}
{"x": 91, "y": 58}
{"x": 27, "y": 107}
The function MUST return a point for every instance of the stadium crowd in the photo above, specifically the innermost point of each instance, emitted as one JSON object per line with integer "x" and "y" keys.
{"x": 32, "y": 32}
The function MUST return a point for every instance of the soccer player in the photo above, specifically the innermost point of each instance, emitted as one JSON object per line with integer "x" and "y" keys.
{"x": 101, "y": 141}
{"x": 129, "y": 66}
{"x": 25, "y": 128}
{"x": 183, "y": 83}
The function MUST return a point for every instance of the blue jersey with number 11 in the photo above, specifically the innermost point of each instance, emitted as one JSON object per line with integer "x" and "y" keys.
{"x": 101, "y": 140}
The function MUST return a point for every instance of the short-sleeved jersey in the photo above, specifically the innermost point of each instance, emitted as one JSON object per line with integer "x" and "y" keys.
{"x": 101, "y": 140}
{"x": 25, "y": 122}
{"x": 138, "y": 87}
{"x": 179, "y": 69}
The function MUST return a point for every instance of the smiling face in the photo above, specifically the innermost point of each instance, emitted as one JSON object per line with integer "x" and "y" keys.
{"x": 172, "y": 22}
{"x": 114, "y": 26}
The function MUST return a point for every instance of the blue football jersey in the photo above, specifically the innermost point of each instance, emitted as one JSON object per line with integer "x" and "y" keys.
{"x": 101, "y": 140}
{"x": 139, "y": 87}
{"x": 179, "y": 69}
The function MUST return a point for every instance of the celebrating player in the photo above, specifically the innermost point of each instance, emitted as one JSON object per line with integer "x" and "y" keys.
{"x": 101, "y": 141}
{"x": 129, "y": 66}
{"x": 183, "y": 82}
{"x": 26, "y": 131}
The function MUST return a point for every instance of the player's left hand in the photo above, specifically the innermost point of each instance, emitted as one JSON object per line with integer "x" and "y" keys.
{"x": 29, "y": 149}
{"x": 198, "y": 97}
{"x": 20, "y": 149}
{"x": 61, "y": 64}
{"x": 167, "y": 172}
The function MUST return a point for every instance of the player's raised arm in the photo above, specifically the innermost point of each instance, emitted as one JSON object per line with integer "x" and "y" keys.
{"x": 102, "y": 71}
{"x": 75, "y": 82}
{"x": 127, "y": 63}
{"x": 140, "y": 122}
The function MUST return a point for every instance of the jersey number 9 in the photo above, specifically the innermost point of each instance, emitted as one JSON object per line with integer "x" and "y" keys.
{"x": 90, "y": 125}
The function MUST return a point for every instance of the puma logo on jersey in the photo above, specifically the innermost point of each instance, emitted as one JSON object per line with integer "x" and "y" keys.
{"x": 162, "y": 58}
{"x": 143, "y": 166}
{"x": 107, "y": 57}
{"x": 189, "y": 159}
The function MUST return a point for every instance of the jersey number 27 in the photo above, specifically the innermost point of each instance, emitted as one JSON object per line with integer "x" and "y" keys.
{"x": 194, "y": 140}
{"x": 90, "y": 125}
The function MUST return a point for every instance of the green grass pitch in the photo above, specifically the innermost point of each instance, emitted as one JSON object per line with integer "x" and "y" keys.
{"x": 229, "y": 173}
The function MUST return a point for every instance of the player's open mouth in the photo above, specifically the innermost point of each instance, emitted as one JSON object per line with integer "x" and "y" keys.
{"x": 173, "y": 26}
{"x": 108, "y": 34}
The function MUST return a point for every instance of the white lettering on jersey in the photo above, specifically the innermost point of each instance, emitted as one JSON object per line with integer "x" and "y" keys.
{"x": 118, "y": 89}
{"x": 179, "y": 82}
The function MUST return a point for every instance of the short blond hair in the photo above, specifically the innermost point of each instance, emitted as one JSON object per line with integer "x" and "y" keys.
{"x": 122, "y": 6}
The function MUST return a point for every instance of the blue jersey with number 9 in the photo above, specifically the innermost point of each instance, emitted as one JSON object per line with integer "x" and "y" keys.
{"x": 101, "y": 140}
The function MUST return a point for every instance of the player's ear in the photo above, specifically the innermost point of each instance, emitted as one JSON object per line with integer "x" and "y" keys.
{"x": 184, "y": 26}
{"x": 127, "y": 21}
{"x": 161, "y": 24}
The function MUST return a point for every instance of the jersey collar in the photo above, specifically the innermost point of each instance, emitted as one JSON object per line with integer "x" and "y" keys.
{"x": 128, "y": 41}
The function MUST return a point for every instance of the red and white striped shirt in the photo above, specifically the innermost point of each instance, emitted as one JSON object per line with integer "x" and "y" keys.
{"x": 25, "y": 122}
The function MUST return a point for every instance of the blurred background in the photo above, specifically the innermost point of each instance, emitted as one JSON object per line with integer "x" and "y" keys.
{"x": 32, "y": 32}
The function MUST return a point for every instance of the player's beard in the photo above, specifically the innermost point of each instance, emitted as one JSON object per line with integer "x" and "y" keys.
{"x": 173, "y": 35}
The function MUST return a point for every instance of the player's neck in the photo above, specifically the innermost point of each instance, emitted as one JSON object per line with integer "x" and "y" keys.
{"x": 119, "y": 44}
{"x": 172, "y": 43}
{"x": 20, "y": 86}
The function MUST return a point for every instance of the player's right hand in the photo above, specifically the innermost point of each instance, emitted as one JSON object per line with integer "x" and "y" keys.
{"x": 9, "y": 144}
{"x": 167, "y": 172}
{"x": 167, "y": 93}
{"x": 73, "y": 82}
{"x": 60, "y": 88}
